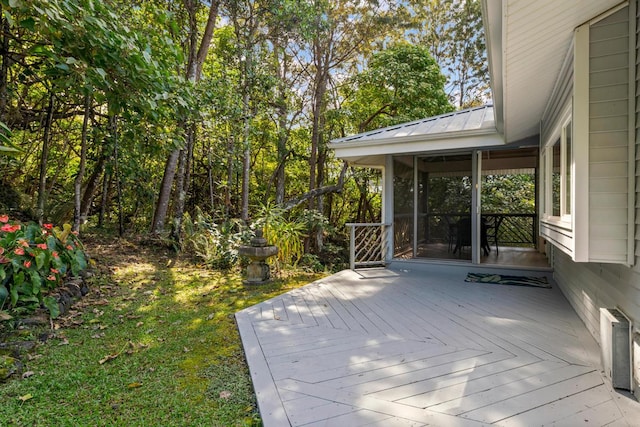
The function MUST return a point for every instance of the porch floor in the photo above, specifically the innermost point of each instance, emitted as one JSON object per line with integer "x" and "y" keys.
{"x": 418, "y": 346}
{"x": 506, "y": 256}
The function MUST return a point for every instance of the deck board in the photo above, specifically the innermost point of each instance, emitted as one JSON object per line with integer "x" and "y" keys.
{"x": 414, "y": 348}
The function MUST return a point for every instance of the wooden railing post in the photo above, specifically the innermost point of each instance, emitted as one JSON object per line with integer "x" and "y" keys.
{"x": 367, "y": 245}
{"x": 352, "y": 246}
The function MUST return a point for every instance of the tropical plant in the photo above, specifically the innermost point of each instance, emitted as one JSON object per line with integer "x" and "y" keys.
{"x": 215, "y": 244}
{"x": 35, "y": 259}
{"x": 5, "y": 138}
{"x": 287, "y": 235}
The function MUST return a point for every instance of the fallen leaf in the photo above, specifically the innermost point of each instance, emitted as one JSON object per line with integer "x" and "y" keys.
{"x": 135, "y": 385}
{"x": 225, "y": 394}
{"x": 186, "y": 350}
{"x": 139, "y": 324}
{"x": 64, "y": 342}
{"x": 28, "y": 374}
{"x": 98, "y": 336}
{"x": 25, "y": 397}
{"x": 5, "y": 316}
{"x": 107, "y": 358}
{"x": 211, "y": 316}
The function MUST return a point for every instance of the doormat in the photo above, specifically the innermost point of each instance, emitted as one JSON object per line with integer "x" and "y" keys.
{"x": 501, "y": 279}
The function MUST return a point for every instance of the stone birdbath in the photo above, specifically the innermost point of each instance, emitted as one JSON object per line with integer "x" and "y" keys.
{"x": 258, "y": 251}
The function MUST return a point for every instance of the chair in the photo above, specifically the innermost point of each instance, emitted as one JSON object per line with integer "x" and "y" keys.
{"x": 452, "y": 232}
{"x": 463, "y": 234}
{"x": 491, "y": 227}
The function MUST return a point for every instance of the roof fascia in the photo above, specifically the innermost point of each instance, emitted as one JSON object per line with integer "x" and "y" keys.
{"x": 414, "y": 146}
{"x": 492, "y": 13}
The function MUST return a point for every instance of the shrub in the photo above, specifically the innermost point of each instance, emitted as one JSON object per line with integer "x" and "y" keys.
{"x": 215, "y": 244}
{"x": 287, "y": 235}
{"x": 35, "y": 259}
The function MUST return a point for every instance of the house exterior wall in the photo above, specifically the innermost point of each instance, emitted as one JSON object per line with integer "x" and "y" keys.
{"x": 609, "y": 115}
{"x": 560, "y": 99}
{"x": 591, "y": 285}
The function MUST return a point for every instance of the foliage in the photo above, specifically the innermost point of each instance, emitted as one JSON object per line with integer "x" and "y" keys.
{"x": 452, "y": 31}
{"x": 509, "y": 193}
{"x": 286, "y": 234}
{"x": 95, "y": 92}
{"x": 216, "y": 244}
{"x": 36, "y": 259}
{"x": 402, "y": 83}
{"x": 5, "y": 138}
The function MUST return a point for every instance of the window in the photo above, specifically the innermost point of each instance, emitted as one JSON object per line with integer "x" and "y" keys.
{"x": 557, "y": 170}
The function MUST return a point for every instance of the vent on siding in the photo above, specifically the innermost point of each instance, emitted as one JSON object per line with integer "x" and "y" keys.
{"x": 615, "y": 346}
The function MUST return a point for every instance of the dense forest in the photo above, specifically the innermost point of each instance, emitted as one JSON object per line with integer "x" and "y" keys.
{"x": 174, "y": 117}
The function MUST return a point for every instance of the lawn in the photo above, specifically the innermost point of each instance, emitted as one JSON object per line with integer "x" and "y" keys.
{"x": 153, "y": 343}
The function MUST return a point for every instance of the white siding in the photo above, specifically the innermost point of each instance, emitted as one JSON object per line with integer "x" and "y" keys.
{"x": 609, "y": 138}
{"x": 589, "y": 286}
{"x": 636, "y": 267}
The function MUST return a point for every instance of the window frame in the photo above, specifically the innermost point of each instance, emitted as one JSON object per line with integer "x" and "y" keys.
{"x": 562, "y": 132}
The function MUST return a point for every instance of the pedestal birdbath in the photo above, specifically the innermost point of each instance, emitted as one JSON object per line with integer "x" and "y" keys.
{"x": 258, "y": 251}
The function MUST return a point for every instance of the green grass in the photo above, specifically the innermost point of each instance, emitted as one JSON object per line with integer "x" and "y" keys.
{"x": 166, "y": 336}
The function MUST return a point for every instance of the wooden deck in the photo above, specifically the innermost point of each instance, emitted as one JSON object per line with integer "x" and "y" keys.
{"x": 423, "y": 347}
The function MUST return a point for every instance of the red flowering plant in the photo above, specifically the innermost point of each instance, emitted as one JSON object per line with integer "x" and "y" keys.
{"x": 35, "y": 259}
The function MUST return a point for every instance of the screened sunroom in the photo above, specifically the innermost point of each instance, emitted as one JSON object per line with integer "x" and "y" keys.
{"x": 452, "y": 191}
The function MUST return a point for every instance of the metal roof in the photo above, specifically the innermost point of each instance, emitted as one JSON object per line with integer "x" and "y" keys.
{"x": 459, "y": 130}
{"x": 449, "y": 125}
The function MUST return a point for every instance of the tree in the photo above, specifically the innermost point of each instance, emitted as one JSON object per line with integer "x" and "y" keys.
{"x": 197, "y": 54}
{"x": 343, "y": 33}
{"x": 401, "y": 84}
{"x": 452, "y": 30}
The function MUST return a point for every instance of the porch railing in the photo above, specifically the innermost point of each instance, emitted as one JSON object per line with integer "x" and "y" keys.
{"x": 518, "y": 229}
{"x": 368, "y": 244}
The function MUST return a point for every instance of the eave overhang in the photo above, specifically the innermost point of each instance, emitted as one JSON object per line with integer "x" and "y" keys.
{"x": 527, "y": 43}
{"x": 458, "y": 130}
{"x": 372, "y": 153}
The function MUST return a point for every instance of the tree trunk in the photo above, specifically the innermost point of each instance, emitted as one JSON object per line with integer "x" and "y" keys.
{"x": 116, "y": 171}
{"x": 180, "y": 195}
{"x": 281, "y": 111}
{"x": 104, "y": 198}
{"x": 92, "y": 185}
{"x": 246, "y": 108}
{"x": 230, "y": 162}
{"x": 193, "y": 72}
{"x": 210, "y": 179}
{"x": 336, "y": 188}
{"x": 77, "y": 216}
{"x": 44, "y": 157}
{"x": 246, "y": 169}
{"x": 4, "y": 68}
{"x": 162, "y": 205}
